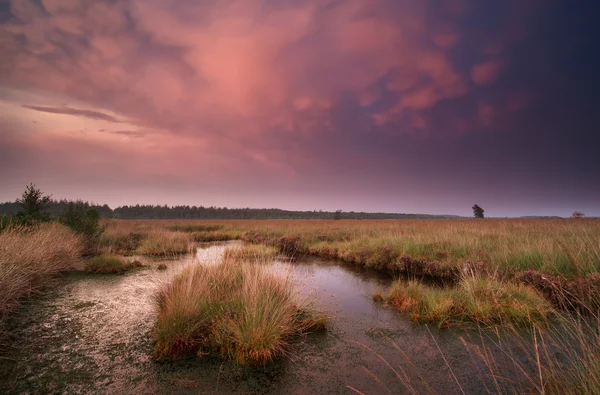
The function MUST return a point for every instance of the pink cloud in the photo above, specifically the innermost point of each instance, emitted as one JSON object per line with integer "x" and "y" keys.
{"x": 486, "y": 73}
{"x": 233, "y": 85}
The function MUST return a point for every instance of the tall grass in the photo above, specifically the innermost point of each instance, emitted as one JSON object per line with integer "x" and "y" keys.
{"x": 239, "y": 311}
{"x": 29, "y": 257}
{"x": 165, "y": 243}
{"x": 559, "y": 359}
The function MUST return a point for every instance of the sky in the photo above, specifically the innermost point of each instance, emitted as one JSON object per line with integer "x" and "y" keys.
{"x": 408, "y": 106}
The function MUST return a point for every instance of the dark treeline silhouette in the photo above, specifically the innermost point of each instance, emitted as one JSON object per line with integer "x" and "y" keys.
{"x": 57, "y": 207}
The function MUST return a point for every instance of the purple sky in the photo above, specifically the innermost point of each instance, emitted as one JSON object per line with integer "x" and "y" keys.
{"x": 365, "y": 105}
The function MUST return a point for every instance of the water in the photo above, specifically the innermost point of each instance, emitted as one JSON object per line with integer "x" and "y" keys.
{"x": 92, "y": 334}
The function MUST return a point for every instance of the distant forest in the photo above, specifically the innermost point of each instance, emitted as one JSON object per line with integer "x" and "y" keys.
{"x": 200, "y": 212}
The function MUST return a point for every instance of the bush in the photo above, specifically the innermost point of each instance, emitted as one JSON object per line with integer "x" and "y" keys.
{"x": 83, "y": 219}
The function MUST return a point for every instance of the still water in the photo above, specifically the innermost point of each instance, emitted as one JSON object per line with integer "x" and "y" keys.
{"x": 92, "y": 334}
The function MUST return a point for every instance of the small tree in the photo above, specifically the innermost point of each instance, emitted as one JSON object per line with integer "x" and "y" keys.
{"x": 82, "y": 218}
{"x": 33, "y": 205}
{"x": 477, "y": 211}
{"x": 577, "y": 214}
{"x": 337, "y": 214}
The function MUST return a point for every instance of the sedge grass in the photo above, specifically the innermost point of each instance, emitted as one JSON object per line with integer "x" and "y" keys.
{"x": 477, "y": 299}
{"x": 237, "y": 310}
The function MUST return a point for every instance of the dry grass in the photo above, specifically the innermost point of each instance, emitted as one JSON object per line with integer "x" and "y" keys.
{"x": 251, "y": 252}
{"x": 165, "y": 243}
{"x": 110, "y": 264}
{"x": 557, "y": 246}
{"x": 237, "y": 310}
{"x": 566, "y": 249}
{"x": 29, "y": 257}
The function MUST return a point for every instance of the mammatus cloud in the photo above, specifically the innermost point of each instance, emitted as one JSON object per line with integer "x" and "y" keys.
{"x": 250, "y": 89}
{"x": 195, "y": 67}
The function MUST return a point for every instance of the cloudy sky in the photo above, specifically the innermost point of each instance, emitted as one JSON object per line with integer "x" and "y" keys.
{"x": 373, "y": 105}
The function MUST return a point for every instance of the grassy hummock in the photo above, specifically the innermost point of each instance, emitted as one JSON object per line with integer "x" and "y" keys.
{"x": 237, "y": 310}
{"x": 165, "y": 243}
{"x": 476, "y": 299}
{"x": 251, "y": 252}
{"x": 110, "y": 264}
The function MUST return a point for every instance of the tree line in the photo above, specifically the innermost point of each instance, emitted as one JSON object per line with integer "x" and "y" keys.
{"x": 57, "y": 207}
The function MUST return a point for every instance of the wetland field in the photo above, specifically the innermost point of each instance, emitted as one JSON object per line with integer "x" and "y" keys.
{"x": 302, "y": 306}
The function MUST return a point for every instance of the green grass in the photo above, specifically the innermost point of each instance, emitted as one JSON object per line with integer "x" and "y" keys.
{"x": 110, "y": 264}
{"x": 236, "y": 310}
{"x": 475, "y": 299}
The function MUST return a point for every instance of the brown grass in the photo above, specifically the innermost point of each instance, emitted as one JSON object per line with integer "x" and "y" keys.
{"x": 251, "y": 252}
{"x": 30, "y": 257}
{"x": 237, "y": 310}
{"x": 165, "y": 243}
{"x": 110, "y": 264}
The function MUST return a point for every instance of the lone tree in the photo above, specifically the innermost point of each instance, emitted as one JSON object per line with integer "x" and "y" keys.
{"x": 33, "y": 205}
{"x": 337, "y": 215}
{"x": 477, "y": 211}
{"x": 577, "y": 214}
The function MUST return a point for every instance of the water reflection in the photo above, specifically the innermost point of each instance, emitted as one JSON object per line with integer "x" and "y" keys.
{"x": 92, "y": 334}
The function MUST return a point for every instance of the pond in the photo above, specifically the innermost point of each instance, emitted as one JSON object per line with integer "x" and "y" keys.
{"x": 92, "y": 334}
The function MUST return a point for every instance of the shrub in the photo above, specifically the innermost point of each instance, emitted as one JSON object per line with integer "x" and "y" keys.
{"x": 83, "y": 219}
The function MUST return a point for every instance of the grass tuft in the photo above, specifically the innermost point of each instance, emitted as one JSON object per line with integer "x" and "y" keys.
{"x": 476, "y": 299}
{"x": 110, "y": 264}
{"x": 165, "y": 243}
{"x": 251, "y": 252}
{"x": 237, "y": 310}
